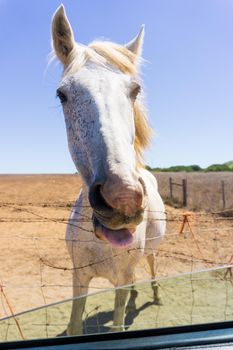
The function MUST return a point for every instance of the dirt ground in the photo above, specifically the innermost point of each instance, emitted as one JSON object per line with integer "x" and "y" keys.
{"x": 33, "y": 215}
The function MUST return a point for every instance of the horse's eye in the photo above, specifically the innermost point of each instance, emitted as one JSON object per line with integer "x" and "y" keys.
{"x": 61, "y": 96}
{"x": 135, "y": 89}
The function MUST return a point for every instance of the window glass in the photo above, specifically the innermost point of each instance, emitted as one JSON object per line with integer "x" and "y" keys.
{"x": 196, "y": 298}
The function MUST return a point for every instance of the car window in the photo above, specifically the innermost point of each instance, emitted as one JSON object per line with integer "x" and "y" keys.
{"x": 187, "y": 299}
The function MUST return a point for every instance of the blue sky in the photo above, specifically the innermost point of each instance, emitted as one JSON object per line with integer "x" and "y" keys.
{"x": 188, "y": 78}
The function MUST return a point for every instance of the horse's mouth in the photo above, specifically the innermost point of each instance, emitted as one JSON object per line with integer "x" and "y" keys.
{"x": 121, "y": 238}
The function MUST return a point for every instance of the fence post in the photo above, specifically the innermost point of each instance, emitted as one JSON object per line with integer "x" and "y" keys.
{"x": 184, "y": 186}
{"x": 223, "y": 195}
{"x": 170, "y": 186}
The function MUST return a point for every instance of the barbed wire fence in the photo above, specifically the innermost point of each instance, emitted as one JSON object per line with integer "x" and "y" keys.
{"x": 207, "y": 191}
{"x": 194, "y": 241}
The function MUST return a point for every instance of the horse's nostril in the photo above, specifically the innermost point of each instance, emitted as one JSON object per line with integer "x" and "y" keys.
{"x": 96, "y": 199}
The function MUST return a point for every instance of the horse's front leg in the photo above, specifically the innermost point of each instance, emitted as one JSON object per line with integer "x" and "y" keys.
{"x": 80, "y": 288}
{"x": 154, "y": 284}
{"x": 131, "y": 305}
{"x": 119, "y": 309}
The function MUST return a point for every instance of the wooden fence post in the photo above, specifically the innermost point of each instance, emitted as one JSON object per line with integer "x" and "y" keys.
{"x": 184, "y": 186}
{"x": 223, "y": 195}
{"x": 170, "y": 186}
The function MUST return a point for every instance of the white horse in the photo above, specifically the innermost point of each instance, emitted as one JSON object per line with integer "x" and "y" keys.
{"x": 119, "y": 216}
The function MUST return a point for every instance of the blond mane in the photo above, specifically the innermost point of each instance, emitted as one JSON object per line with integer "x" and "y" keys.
{"x": 105, "y": 53}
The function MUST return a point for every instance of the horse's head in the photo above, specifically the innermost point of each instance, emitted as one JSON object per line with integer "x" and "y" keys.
{"x": 106, "y": 126}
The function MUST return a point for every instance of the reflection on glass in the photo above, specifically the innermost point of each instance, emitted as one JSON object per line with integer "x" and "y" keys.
{"x": 187, "y": 299}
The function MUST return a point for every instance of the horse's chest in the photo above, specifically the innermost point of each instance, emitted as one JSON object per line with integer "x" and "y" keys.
{"x": 113, "y": 264}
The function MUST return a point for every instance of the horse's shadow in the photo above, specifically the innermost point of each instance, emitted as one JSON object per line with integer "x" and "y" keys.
{"x": 98, "y": 323}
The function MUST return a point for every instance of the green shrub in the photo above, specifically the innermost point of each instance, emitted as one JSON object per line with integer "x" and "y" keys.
{"x": 218, "y": 167}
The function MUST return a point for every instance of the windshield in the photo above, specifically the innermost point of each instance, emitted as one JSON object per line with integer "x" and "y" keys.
{"x": 97, "y": 232}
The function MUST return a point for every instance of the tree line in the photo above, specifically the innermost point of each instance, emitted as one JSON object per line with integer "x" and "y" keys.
{"x": 228, "y": 166}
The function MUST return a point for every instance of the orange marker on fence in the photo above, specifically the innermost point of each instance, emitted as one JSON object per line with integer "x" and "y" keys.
{"x": 12, "y": 312}
{"x": 186, "y": 221}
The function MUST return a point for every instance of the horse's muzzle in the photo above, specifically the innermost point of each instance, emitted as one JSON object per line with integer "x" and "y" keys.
{"x": 108, "y": 216}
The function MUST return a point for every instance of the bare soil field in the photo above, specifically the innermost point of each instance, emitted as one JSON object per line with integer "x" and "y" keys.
{"x": 35, "y": 266}
{"x": 204, "y": 190}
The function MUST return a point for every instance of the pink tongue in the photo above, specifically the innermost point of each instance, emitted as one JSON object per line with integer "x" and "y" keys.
{"x": 119, "y": 239}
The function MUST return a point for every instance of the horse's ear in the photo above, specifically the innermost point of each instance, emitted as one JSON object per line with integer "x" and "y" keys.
{"x": 136, "y": 44}
{"x": 62, "y": 35}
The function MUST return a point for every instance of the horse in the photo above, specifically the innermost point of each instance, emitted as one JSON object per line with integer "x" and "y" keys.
{"x": 119, "y": 216}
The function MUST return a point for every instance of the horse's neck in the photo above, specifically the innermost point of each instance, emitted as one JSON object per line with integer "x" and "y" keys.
{"x": 82, "y": 215}
{"x": 85, "y": 204}
{"x": 85, "y": 199}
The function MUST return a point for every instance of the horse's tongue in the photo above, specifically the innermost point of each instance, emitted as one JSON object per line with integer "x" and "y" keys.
{"x": 119, "y": 238}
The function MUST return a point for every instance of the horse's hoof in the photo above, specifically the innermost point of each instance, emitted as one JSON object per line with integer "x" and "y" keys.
{"x": 62, "y": 334}
{"x": 116, "y": 329}
{"x": 158, "y": 301}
